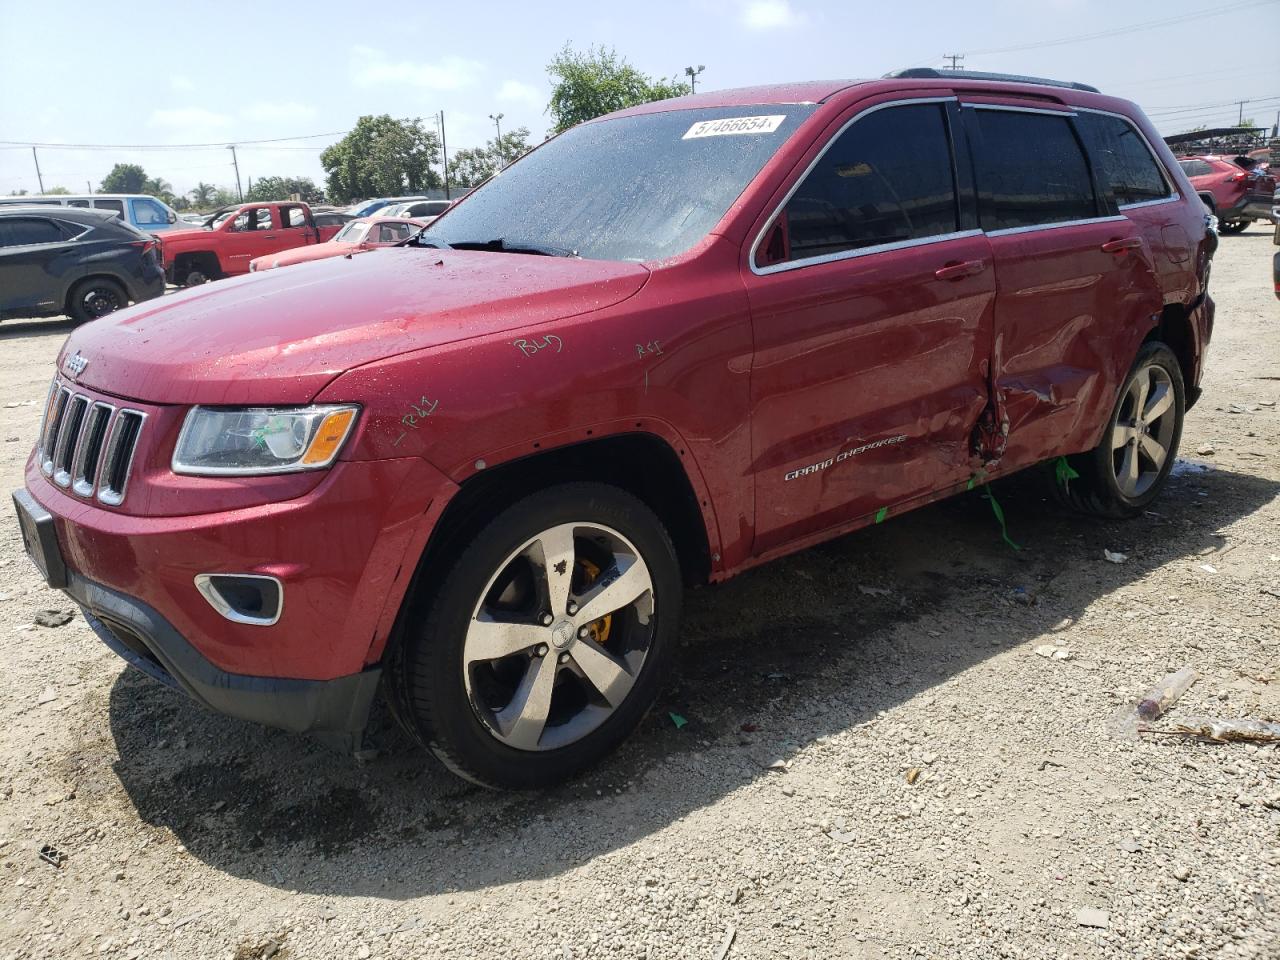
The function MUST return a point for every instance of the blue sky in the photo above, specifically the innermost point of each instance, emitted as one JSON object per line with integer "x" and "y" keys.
{"x": 201, "y": 72}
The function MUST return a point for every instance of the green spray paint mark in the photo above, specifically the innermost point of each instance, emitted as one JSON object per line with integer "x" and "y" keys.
{"x": 1064, "y": 473}
{"x": 1004, "y": 530}
{"x": 881, "y": 514}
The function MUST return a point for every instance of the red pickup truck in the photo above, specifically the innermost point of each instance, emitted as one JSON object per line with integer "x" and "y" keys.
{"x": 233, "y": 236}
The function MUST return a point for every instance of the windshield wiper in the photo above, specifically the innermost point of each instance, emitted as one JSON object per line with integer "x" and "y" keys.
{"x": 513, "y": 245}
{"x": 420, "y": 239}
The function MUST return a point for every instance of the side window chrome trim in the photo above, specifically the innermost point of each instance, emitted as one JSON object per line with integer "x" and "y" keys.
{"x": 1164, "y": 172}
{"x": 862, "y": 252}
{"x": 782, "y": 204}
{"x": 1009, "y": 231}
{"x": 1064, "y": 112}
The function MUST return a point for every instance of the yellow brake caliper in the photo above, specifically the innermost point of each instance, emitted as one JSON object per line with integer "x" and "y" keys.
{"x": 599, "y": 629}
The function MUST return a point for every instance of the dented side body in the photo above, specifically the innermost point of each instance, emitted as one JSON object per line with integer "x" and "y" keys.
{"x": 799, "y": 403}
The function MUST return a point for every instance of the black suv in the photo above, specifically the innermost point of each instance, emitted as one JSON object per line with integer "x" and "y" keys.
{"x": 84, "y": 263}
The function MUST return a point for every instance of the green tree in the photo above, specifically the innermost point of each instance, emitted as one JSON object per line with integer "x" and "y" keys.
{"x": 202, "y": 194}
{"x": 222, "y": 197}
{"x": 591, "y": 84}
{"x": 282, "y": 188}
{"x": 159, "y": 188}
{"x": 57, "y": 191}
{"x": 381, "y": 157}
{"x": 472, "y": 167}
{"x": 124, "y": 178}
{"x": 17, "y": 193}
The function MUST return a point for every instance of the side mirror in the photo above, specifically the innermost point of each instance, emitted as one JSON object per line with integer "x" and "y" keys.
{"x": 173, "y": 217}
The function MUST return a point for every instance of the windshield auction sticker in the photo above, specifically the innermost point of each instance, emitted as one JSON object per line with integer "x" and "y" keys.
{"x": 730, "y": 126}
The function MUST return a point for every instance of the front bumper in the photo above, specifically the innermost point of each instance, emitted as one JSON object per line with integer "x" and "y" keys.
{"x": 1251, "y": 207}
{"x": 334, "y": 710}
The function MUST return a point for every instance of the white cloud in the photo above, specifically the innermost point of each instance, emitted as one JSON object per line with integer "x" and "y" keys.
{"x": 770, "y": 15}
{"x": 278, "y": 111}
{"x": 370, "y": 67}
{"x": 186, "y": 117}
{"x": 513, "y": 91}
{"x": 181, "y": 83}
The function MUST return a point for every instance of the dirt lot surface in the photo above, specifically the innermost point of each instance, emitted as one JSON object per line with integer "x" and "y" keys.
{"x": 883, "y": 756}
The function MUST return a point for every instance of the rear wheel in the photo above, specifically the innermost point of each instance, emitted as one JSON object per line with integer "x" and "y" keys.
{"x": 194, "y": 278}
{"x": 95, "y": 298}
{"x": 1233, "y": 226}
{"x": 1124, "y": 473}
{"x": 546, "y": 644}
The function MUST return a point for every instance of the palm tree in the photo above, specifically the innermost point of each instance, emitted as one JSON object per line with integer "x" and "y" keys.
{"x": 203, "y": 194}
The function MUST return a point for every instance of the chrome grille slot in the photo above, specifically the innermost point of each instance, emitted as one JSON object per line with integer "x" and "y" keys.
{"x": 68, "y": 436}
{"x": 84, "y": 468}
{"x": 53, "y": 424}
{"x": 122, "y": 441}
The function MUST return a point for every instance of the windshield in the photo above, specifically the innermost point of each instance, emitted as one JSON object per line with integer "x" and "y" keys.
{"x": 353, "y": 232}
{"x": 634, "y": 188}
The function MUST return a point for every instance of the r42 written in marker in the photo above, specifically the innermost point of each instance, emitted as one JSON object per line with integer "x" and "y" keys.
{"x": 418, "y": 411}
{"x": 653, "y": 346}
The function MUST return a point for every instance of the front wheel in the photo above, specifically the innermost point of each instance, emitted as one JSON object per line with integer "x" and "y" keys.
{"x": 1125, "y": 472}
{"x": 547, "y": 643}
{"x": 1233, "y": 226}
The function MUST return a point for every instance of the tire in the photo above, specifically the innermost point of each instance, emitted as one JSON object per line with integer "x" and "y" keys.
{"x": 1233, "y": 226}
{"x": 94, "y": 298}
{"x": 194, "y": 278}
{"x": 1106, "y": 485}
{"x": 584, "y": 685}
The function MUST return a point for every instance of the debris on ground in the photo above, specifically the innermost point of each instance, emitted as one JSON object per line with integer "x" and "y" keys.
{"x": 53, "y": 618}
{"x": 47, "y": 695}
{"x": 913, "y": 774}
{"x": 1051, "y": 652}
{"x": 1112, "y": 556}
{"x": 678, "y": 720}
{"x": 1164, "y": 694}
{"x": 1093, "y": 917}
{"x": 1205, "y": 450}
{"x": 52, "y": 855}
{"x": 1227, "y": 731}
{"x": 727, "y": 942}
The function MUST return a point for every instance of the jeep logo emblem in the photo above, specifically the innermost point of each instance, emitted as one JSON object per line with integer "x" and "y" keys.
{"x": 75, "y": 364}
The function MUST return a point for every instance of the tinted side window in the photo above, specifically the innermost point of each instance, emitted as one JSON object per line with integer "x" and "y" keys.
{"x": 1030, "y": 171}
{"x": 886, "y": 179}
{"x": 20, "y": 231}
{"x": 116, "y": 205}
{"x": 1195, "y": 168}
{"x": 1123, "y": 160}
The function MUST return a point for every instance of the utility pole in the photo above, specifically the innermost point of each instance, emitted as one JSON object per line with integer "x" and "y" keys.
{"x": 692, "y": 74}
{"x": 250, "y": 183}
{"x": 89, "y": 184}
{"x": 1239, "y": 119}
{"x": 236, "y": 164}
{"x": 40, "y": 179}
{"x": 444, "y": 146}
{"x": 955, "y": 59}
{"x": 497, "y": 122}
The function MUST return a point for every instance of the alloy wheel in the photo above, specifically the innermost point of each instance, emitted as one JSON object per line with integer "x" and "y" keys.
{"x": 559, "y": 636}
{"x": 1144, "y": 430}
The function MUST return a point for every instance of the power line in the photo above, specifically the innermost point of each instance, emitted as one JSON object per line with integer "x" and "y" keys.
{"x": 1119, "y": 31}
{"x": 222, "y": 144}
{"x": 1201, "y": 107}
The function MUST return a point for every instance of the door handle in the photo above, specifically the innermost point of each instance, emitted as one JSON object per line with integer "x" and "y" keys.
{"x": 269, "y": 236}
{"x": 958, "y": 271}
{"x": 1119, "y": 246}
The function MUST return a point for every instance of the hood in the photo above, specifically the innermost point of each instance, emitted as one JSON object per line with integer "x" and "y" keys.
{"x": 185, "y": 233}
{"x": 281, "y": 335}
{"x": 316, "y": 251}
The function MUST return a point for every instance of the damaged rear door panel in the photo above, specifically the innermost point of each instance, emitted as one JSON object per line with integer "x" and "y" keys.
{"x": 1076, "y": 285}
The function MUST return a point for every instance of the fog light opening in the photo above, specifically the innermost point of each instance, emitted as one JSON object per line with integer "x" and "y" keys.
{"x": 249, "y": 598}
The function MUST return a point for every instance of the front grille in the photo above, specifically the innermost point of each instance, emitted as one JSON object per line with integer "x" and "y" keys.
{"x": 87, "y": 445}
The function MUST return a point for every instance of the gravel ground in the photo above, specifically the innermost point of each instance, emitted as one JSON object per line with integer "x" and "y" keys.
{"x": 882, "y": 756}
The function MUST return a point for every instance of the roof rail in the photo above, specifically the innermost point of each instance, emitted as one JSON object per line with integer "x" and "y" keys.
{"x": 934, "y": 73}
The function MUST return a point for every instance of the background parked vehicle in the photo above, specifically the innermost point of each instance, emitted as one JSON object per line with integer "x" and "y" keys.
{"x": 144, "y": 212}
{"x": 331, "y": 218}
{"x": 427, "y": 209}
{"x": 84, "y": 263}
{"x": 366, "y": 207}
{"x": 235, "y": 236}
{"x": 1235, "y": 195}
{"x": 366, "y": 233}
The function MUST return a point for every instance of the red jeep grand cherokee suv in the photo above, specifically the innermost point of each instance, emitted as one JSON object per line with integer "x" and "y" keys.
{"x": 665, "y": 346}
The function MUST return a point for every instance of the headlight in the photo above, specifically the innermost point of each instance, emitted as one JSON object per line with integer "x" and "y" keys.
{"x": 218, "y": 441}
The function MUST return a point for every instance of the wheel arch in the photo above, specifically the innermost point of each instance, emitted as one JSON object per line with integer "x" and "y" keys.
{"x": 205, "y": 260}
{"x": 1175, "y": 329}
